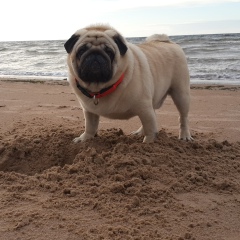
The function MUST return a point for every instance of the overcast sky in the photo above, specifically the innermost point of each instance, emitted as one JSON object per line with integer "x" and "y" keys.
{"x": 59, "y": 19}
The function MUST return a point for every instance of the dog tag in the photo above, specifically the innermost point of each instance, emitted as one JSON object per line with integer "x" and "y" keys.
{"x": 95, "y": 100}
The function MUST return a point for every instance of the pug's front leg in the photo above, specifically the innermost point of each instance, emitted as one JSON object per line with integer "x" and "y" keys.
{"x": 149, "y": 125}
{"x": 91, "y": 127}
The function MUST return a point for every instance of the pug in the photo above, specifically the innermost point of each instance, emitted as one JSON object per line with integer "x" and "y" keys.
{"x": 119, "y": 80}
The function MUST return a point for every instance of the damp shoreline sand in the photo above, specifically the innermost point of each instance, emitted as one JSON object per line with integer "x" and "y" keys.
{"x": 214, "y": 108}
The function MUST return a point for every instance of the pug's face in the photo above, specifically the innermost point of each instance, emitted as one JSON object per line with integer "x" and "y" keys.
{"x": 94, "y": 53}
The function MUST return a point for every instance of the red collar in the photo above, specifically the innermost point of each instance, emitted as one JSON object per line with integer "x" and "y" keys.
{"x": 103, "y": 92}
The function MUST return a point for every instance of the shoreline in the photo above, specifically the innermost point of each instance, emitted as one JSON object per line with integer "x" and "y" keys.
{"x": 25, "y": 78}
{"x": 63, "y": 81}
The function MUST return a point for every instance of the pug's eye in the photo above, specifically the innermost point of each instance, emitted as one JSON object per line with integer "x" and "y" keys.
{"x": 81, "y": 51}
{"x": 109, "y": 52}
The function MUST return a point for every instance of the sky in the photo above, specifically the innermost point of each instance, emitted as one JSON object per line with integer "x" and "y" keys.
{"x": 24, "y": 20}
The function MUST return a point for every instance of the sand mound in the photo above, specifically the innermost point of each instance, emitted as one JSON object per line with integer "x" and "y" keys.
{"x": 116, "y": 187}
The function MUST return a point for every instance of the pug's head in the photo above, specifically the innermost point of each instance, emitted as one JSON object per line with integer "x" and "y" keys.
{"x": 94, "y": 53}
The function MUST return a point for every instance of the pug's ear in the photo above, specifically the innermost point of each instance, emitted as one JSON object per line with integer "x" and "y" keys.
{"x": 69, "y": 44}
{"x": 118, "y": 39}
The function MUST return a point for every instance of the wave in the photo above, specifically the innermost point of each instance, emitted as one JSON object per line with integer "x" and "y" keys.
{"x": 3, "y": 49}
{"x": 43, "y": 52}
{"x": 33, "y": 73}
{"x": 31, "y": 52}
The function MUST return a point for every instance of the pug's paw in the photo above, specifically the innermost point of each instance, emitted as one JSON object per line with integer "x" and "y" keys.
{"x": 150, "y": 138}
{"x": 83, "y": 137}
{"x": 185, "y": 135}
{"x": 139, "y": 132}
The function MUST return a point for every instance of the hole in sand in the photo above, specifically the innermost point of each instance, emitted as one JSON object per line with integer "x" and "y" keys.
{"x": 34, "y": 150}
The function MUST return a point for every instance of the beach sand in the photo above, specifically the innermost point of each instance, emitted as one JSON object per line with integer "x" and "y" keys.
{"x": 114, "y": 186}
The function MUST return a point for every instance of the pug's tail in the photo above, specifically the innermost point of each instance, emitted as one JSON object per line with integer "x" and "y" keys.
{"x": 159, "y": 38}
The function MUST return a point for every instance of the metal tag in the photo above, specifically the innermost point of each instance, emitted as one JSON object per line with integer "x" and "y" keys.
{"x": 95, "y": 100}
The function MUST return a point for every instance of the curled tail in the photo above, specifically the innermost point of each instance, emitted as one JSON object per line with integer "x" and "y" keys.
{"x": 158, "y": 37}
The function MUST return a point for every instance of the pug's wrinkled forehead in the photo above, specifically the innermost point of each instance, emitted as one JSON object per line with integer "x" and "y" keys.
{"x": 97, "y": 35}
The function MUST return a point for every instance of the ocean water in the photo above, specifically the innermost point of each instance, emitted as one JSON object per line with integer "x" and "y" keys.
{"x": 212, "y": 59}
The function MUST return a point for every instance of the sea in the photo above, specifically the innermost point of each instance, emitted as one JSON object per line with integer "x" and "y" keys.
{"x": 212, "y": 58}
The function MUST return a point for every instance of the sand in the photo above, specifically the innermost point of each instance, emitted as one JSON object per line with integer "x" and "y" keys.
{"x": 114, "y": 186}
